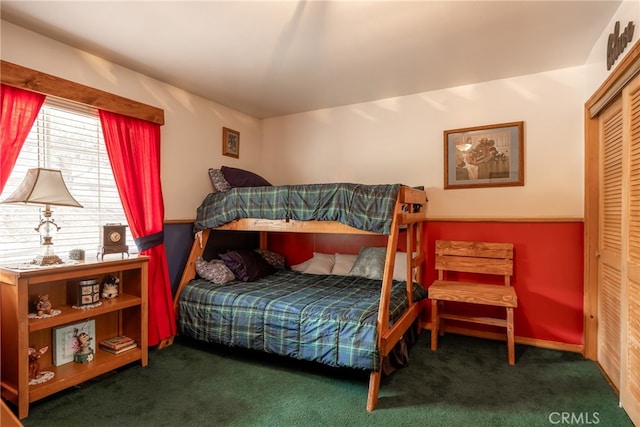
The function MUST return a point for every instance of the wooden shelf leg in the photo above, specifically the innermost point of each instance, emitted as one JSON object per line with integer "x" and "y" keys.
{"x": 435, "y": 323}
{"x": 165, "y": 343}
{"x": 510, "y": 337}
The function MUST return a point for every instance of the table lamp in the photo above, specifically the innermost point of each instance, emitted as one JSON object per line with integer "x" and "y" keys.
{"x": 46, "y": 187}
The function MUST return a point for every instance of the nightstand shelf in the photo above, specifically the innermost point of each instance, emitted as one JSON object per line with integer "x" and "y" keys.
{"x": 69, "y": 314}
{"x": 124, "y": 315}
{"x": 71, "y": 374}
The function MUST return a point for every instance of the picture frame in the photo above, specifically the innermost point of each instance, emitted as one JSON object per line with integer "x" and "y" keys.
{"x": 484, "y": 156}
{"x": 64, "y": 340}
{"x": 230, "y": 142}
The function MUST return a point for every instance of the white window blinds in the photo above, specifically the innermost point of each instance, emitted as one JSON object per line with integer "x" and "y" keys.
{"x": 65, "y": 136}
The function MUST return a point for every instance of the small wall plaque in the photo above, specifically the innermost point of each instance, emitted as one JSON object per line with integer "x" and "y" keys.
{"x": 617, "y": 42}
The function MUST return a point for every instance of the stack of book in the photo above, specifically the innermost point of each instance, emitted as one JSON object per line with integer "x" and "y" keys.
{"x": 117, "y": 345}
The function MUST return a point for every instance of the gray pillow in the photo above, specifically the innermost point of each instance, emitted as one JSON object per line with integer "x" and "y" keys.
{"x": 275, "y": 259}
{"x": 370, "y": 263}
{"x": 218, "y": 180}
{"x": 214, "y": 271}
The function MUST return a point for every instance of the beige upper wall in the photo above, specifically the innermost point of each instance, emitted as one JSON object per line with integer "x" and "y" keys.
{"x": 191, "y": 136}
{"x": 401, "y": 140}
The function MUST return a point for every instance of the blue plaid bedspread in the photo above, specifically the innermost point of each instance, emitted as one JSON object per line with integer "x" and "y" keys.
{"x": 326, "y": 319}
{"x": 366, "y": 207}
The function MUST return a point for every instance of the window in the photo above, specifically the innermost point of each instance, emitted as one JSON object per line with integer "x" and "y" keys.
{"x": 65, "y": 136}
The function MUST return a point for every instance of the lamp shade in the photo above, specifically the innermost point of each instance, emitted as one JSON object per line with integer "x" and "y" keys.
{"x": 43, "y": 187}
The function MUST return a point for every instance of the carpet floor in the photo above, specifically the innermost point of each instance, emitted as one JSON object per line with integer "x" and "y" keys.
{"x": 466, "y": 382}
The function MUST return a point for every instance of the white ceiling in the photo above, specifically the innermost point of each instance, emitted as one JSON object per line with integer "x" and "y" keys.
{"x": 269, "y": 58}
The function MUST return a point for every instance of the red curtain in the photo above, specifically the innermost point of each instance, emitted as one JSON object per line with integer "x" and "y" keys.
{"x": 18, "y": 110}
{"x": 133, "y": 147}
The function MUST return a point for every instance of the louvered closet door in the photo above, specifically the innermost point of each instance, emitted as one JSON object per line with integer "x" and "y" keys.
{"x": 610, "y": 236}
{"x": 630, "y": 298}
{"x": 610, "y": 264}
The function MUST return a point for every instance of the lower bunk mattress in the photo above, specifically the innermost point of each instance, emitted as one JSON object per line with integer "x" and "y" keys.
{"x": 322, "y": 318}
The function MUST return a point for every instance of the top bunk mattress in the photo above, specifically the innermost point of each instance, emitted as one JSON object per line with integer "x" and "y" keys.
{"x": 365, "y": 207}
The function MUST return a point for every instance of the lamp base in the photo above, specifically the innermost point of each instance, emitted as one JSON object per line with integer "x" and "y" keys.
{"x": 47, "y": 260}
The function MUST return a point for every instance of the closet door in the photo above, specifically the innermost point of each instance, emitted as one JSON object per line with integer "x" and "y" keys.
{"x": 610, "y": 240}
{"x": 612, "y": 229}
{"x": 630, "y": 297}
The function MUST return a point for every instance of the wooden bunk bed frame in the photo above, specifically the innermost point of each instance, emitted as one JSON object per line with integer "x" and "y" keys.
{"x": 409, "y": 214}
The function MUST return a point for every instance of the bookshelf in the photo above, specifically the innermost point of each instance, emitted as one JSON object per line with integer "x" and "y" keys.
{"x": 124, "y": 315}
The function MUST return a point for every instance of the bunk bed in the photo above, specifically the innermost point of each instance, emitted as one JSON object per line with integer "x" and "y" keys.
{"x": 390, "y": 306}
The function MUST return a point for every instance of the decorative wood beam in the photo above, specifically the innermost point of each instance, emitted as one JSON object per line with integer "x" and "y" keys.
{"x": 36, "y": 81}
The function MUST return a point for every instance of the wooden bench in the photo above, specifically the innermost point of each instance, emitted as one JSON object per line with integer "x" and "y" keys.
{"x": 478, "y": 258}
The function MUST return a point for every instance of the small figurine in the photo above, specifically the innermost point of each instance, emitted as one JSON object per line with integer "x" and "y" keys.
{"x": 34, "y": 362}
{"x": 43, "y": 306}
{"x": 110, "y": 287}
{"x": 84, "y": 354}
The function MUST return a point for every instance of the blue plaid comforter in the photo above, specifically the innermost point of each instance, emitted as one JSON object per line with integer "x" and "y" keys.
{"x": 326, "y": 319}
{"x": 366, "y": 207}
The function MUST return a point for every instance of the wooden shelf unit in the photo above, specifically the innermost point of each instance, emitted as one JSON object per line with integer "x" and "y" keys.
{"x": 123, "y": 315}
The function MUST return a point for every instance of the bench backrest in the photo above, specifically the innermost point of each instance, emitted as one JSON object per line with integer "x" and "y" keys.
{"x": 475, "y": 257}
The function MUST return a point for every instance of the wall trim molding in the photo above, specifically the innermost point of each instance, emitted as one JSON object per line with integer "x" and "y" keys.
{"x": 479, "y": 219}
{"x": 178, "y": 221}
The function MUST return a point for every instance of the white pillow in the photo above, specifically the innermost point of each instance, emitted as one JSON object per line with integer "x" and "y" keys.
{"x": 400, "y": 267}
{"x": 320, "y": 264}
{"x": 302, "y": 266}
{"x": 343, "y": 264}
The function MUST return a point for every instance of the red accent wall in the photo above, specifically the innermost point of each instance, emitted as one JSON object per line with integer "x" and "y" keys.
{"x": 548, "y": 271}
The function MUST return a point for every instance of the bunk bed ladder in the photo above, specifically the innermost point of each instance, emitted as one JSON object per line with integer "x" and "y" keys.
{"x": 412, "y": 217}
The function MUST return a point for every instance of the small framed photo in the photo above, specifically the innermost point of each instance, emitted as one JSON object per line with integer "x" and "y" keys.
{"x": 64, "y": 340}
{"x": 230, "y": 143}
{"x": 484, "y": 156}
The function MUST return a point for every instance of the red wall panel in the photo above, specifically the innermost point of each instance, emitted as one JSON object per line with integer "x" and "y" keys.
{"x": 548, "y": 271}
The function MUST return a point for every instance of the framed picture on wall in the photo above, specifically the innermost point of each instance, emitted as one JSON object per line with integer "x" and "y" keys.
{"x": 484, "y": 156}
{"x": 230, "y": 143}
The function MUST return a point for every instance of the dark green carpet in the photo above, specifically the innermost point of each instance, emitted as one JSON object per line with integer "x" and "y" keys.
{"x": 467, "y": 382}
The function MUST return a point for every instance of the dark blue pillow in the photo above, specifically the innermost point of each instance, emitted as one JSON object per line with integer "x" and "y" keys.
{"x": 246, "y": 265}
{"x": 242, "y": 178}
